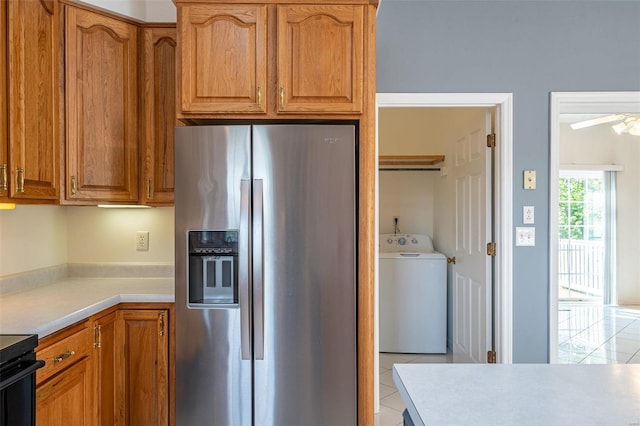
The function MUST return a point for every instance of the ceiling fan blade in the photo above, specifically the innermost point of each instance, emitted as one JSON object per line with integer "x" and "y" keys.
{"x": 596, "y": 121}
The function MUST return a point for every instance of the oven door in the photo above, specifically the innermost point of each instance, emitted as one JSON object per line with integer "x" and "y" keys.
{"x": 18, "y": 391}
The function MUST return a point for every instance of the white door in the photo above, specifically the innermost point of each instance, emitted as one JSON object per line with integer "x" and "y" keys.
{"x": 472, "y": 271}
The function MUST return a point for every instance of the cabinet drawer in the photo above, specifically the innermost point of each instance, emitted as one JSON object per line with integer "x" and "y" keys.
{"x": 63, "y": 354}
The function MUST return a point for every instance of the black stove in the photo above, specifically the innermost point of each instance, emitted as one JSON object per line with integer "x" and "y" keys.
{"x": 18, "y": 367}
{"x": 14, "y": 345}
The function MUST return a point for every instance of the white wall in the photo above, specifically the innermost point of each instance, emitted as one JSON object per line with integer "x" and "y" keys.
{"x": 601, "y": 145}
{"x": 143, "y": 10}
{"x": 410, "y": 197}
{"x": 108, "y": 235}
{"x": 422, "y": 200}
{"x": 32, "y": 237}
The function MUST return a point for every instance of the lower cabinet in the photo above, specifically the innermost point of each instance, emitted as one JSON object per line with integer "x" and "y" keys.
{"x": 145, "y": 358}
{"x": 111, "y": 369}
{"x": 65, "y": 398}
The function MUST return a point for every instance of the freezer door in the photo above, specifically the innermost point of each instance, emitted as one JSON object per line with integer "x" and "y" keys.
{"x": 213, "y": 381}
{"x": 304, "y": 279}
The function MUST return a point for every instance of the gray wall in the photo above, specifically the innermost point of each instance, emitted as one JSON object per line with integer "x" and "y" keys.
{"x": 528, "y": 48}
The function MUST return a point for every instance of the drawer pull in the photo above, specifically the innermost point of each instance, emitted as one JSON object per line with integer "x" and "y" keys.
{"x": 63, "y": 356}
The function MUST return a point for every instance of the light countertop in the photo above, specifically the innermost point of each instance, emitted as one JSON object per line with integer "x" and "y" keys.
{"x": 520, "y": 394}
{"x": 47, "y": 309}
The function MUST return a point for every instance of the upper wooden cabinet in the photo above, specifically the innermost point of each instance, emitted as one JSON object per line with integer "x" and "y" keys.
{"x": 4, "y": 132}
{"x": 158, "y": 112}
{"x": 223, "y": 58}
{"x": 101, "y": 108}
{"x": 271, "y": 59}
{"x": 320, "y": 54}
{"x": 33, "y": 58}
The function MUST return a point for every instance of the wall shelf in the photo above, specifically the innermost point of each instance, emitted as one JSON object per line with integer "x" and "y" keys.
{"x": 409, "y": 162}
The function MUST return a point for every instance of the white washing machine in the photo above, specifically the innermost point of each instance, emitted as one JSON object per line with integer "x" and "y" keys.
{"x": 413, "y": 295}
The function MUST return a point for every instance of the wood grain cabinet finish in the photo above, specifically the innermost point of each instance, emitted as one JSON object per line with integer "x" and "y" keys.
{"x": 223, "y": 58}
{"x": 64, "y": 399}
{"x": 4, "y": 129}
{"x": 108, "y": 406}
{"x": 145, "y": 357}
{"x": 101, "y": 108}
{"x": 33, "y": 100}
{"x": 158, "y": 111}
{"x": 320, "y": 58}
{"x": 64, "y": 386}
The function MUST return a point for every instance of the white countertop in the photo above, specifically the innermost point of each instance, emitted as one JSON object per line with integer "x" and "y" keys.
{"x": 520, "y": 394}
{"x": 47, "y": 309}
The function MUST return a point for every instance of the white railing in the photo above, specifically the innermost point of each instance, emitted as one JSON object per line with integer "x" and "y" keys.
{"x": 581, "y": 267}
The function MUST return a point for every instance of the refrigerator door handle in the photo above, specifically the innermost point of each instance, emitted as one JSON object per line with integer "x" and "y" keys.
{"x": 258, "y": 246}
{"x": 243, "y": 271}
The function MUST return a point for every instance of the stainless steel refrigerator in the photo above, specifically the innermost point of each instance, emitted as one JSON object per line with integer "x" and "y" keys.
{"x": 265, "y": 220}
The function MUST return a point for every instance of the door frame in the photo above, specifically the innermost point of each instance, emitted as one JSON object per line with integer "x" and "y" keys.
{"x": 572, "y": 103}
{"x": 503, "y": 193}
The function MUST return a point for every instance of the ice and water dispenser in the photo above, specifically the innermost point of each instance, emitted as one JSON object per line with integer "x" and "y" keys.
{"x": 213, "y": 268}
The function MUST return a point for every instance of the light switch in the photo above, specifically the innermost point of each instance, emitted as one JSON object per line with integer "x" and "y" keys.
{"x": 525, "y": 236}
{"x": 529, "y": 179}
{"x": 528, "y": 215}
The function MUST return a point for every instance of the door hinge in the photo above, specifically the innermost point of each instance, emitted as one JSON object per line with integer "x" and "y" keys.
{"x": 491, "y": 140}
{"x": 491, "y": 249}
{"x": 491, "y": 357}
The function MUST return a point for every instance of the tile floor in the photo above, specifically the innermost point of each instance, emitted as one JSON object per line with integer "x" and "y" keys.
{"x": 597, "y": 334}
{"x": 391, "y": 405}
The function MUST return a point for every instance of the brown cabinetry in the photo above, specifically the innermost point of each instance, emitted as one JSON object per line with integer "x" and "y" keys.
{"x": 145, "y": 357}
{"x": 64, "y": 384}
{"x": 158, "y": 112}
{"x": 31, "y": 143}
{"x": 101, "y": 108}
{"x": 4, "y": 131}
{"x": 111, "y": 369}
{"x": 226, "y": 50}
{"x": 320, "y": 58}
{"x": 223, "y": 58}
{"x": 108, "y": 407}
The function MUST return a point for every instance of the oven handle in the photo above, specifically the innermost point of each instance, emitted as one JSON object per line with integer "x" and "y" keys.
{"x": 24, "y": 372}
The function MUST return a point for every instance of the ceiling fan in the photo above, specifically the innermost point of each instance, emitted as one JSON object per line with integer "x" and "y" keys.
{"x": 626, "y": 123}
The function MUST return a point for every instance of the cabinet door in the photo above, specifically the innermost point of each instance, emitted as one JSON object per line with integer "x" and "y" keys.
{"x": 223, "y": 56}
{"x": 4, "y": 172}
{"x": 64, "y": 398}
{"x": 320, "y": 58}
{"x": 108, "y": 403}
{"x": 34, "y": 93}
{"x": 101, "y": 101}
{"x": 146, "y": 366}
{"x": 159, "y": 115}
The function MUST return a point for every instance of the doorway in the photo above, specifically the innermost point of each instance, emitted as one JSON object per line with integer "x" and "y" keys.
{"x": 502, "y": 204}
{"x": 596, "y": 158}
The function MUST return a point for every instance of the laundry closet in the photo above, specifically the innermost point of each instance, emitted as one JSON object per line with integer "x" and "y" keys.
{"x": 417, "y": 222}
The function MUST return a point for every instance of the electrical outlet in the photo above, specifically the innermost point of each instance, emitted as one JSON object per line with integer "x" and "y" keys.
{"x": 528, "y": 215}
{"x": 142, "y": 240}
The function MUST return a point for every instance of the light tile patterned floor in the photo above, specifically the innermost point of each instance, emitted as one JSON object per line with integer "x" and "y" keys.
{"x": 597, "y": 334}
{"x": 391, "y": 405}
